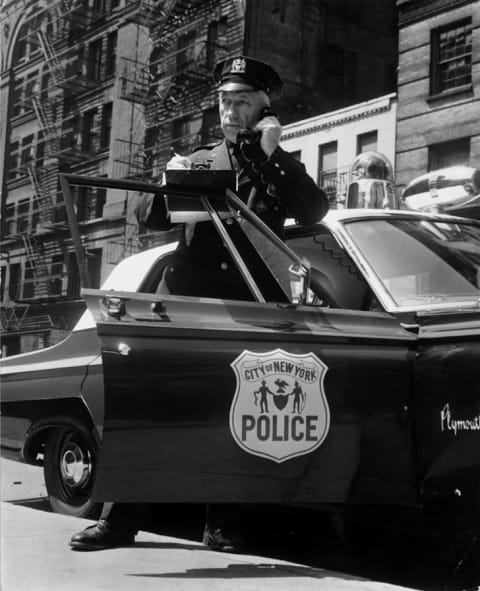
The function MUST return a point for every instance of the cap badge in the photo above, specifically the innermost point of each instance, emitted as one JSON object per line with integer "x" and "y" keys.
{"x": 239, "y": 66}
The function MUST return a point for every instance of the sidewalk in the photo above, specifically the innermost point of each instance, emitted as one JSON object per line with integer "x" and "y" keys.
{"x": 35, "y": 556}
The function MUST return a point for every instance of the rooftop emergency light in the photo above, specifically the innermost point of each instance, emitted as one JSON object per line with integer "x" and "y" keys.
{"x": 454, "y": 190}
{"x": 371, "y": 183}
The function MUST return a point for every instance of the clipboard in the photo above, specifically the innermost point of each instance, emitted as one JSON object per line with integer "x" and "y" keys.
{"x": 208, "y": 183}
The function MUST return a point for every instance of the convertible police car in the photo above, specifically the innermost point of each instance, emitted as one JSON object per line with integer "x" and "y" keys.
{"x": 352, "y": 377}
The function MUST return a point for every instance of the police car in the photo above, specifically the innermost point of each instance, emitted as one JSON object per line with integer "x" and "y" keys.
{"x": 353, "y": 382}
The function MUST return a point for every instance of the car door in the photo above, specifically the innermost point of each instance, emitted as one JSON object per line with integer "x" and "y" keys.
{"x": 447, "y": 416}
{"x": 214, "y": 400}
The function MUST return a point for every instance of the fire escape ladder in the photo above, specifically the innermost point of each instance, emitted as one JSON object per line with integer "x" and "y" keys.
{"x": 44, "y": 112}
{"x": 164, "y": 13}
{"x": 37, "y": 264}
{"x": 12, "y": 315}
{"x": 54, "y": 64}
{"x": 146, "y": 10}
{"x": 58, "y": 9}
{"x": 44, "y": 198}
{"x": 155, "y": 108}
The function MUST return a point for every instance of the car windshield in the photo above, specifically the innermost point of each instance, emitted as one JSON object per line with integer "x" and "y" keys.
{"x": 422, "y": 262}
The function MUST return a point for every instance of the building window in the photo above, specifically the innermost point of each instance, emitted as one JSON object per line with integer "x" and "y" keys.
{"x": 95, "y": 60}
{"x": 99, "y": 5}
{"x": 27, "y": 45}
{"x": 334, "y": 68}
{"x": 185, "y": 51}
{"x": 89, "y": 203}
{"x": 327, "y": 168}
{"x": 88, "y": 132}
{"x": 337, "y": 71}
{"x": 106, "y": 125}
{"x": 10, "y": 225}
{"x": 70, "y": 138}
{"x": 59, "y": 213}
{"x": 37, "y": 209}
{"x": 32, "y": 84}
{"x": 452, "y": 153}
{"x": 28, "y": 281}
{"x": 210, "y": 125}
{"x": 186, "y": 133}
{"x": 367, "y": 142}
{"x": 56, "y": 274}
{"x": 23, "y": 216}
{"x": 216, "y": 41}
{"x": 94, "y": 266}
{"x": 451, "y": 57}
{"x": 13, "y": 160}
{"x": 73, "y": 274}
{"x": 27, "y": 150}
{"x": 3, "y": 282}
{"x": 18, "y": 99}
{"x": 14, "y": 282}
{"x": 111, "y": 54}
{"x": 40, "y": 155}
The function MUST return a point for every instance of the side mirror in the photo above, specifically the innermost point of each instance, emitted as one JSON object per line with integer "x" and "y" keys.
{"x": 299, "y": 276}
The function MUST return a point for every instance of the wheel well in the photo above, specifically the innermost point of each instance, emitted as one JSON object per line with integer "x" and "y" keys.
{"x": 65, "y": 412}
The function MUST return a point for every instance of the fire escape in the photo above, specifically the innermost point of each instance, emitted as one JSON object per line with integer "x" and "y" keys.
{"x": 172, "y": 87}
{"x": 41, "y": 230}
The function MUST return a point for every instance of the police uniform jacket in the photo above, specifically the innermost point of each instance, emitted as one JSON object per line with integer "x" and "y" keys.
{"x": 275, "y": 189}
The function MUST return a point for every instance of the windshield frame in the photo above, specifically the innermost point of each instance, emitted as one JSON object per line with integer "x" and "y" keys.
{"x": 378, "y": 286}
{"x": 211, "y": 201}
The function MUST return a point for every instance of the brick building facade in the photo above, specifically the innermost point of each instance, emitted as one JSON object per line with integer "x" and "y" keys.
{"x": 438, "y": 119}
{"x": 111, "y": 87}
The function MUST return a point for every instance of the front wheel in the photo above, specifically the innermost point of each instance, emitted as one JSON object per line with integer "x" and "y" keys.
{"x": 70, "y": 462}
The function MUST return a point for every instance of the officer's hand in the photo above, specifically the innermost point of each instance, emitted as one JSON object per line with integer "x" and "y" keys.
{"x": 271, "y": 132}
{"x": 178, "y": 162}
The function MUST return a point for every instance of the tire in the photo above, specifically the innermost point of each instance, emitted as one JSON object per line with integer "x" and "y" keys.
{"x": 70, "y": 463}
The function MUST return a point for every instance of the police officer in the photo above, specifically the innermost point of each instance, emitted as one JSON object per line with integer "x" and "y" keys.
{"x": 275, "y": 186}
{"x": 270, "y": 181}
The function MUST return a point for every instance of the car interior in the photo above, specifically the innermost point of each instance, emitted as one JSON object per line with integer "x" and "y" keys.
{"x": 335, "y": 278}
{"x": 334, "y": 282}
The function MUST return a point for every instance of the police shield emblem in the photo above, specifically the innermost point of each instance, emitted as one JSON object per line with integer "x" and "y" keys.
{"x": 279, "y": 410}
{"x": 239, "y": 66}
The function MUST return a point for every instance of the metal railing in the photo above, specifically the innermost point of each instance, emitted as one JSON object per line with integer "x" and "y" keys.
{"x": 335, "y": 184}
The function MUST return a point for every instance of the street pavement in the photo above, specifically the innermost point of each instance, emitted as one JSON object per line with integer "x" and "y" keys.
{"x": 35, "y": 556}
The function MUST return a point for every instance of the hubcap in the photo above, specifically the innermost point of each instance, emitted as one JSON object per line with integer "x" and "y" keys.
{"x": 75, "y": 465}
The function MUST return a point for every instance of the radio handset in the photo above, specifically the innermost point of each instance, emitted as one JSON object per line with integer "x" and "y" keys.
{"x": 249, "y": 136}
{"x": 249, "y": 140}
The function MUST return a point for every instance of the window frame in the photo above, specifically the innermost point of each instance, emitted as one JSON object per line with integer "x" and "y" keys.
{"x": 436, "y": 85}
{"x": 366, "y": 136}
{"x": 439, "y": 151}
{"x": 327, "y": 175}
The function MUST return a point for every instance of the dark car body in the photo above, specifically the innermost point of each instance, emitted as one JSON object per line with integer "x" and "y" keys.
{"x": 365, "y": 390}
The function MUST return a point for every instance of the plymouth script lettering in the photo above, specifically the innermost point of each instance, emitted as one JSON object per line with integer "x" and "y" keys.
{"x": 456, "y": 425}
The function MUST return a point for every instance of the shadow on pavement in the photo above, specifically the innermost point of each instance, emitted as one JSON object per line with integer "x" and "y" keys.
{"x": 40, "y": 503}
{"x": 248, "y": 570}
{"x": 168, "y": 546}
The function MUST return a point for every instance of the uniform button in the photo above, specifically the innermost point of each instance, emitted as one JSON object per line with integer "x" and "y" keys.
{"x": 282, "y": 172}
{"x": 277, "y": 164}
{"x": 224, "y": 266}
{"x": 229, "y": 221}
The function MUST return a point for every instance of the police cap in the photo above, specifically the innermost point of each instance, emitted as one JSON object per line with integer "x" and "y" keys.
{"x": 244, "y": 73}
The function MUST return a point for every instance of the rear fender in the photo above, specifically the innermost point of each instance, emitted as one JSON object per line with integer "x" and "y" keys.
{"x": 42, "y": 418}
